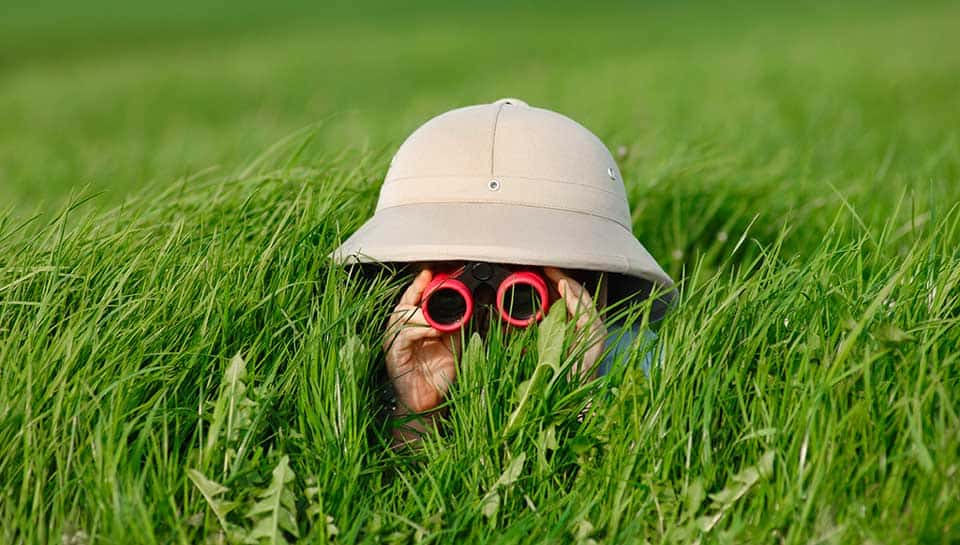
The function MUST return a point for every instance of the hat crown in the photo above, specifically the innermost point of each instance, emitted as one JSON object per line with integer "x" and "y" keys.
{"x": 508, "y": 153}
{"x": 507, "y": 183}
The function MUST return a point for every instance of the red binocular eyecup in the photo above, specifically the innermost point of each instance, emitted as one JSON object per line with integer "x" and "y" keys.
{"x": 520, "y": 296}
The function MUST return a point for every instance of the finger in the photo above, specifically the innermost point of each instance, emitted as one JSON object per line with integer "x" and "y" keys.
{"x": 404, "y": 318}
{"x": 415, "y": 290}
{"x": 399, "y": 315}
{"x": 406, "y": 315}
{"x": 405, "y": 337}
{"x": 577, "y": 299}
{"x": 556, "y": 275}
{"x": 580, "y": 304}
{"x": 416, "y": 333}
{"x": 591, "y": 329}
{"x": 409, "y": 318}
{"x": 588, "y": 312}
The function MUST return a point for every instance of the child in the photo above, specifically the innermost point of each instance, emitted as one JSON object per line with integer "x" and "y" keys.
{"x": 509, "y": 185}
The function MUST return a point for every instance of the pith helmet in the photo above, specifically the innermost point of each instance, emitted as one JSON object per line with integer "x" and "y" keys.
{"x": 508, "y": 183}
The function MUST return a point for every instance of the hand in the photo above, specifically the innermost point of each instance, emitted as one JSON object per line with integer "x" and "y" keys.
{"x": 420, "y": 359}
{"x": 590, "y": 327}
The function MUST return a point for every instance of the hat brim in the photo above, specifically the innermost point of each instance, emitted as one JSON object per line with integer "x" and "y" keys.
{"x": 521, "y": 235}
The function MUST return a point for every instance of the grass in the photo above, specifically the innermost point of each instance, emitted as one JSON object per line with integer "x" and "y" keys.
{"x": 180, "y": 363}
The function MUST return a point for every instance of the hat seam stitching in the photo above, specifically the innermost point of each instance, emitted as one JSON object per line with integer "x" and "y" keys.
{"x": 493, "y": 138}
{"x": 509, "y": 203}
{"x": 593, "y": 188}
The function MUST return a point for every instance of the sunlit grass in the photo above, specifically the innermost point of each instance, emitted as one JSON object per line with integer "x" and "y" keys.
{"x": 189, "y": 367}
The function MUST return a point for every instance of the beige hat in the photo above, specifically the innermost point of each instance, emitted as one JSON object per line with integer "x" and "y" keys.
{"x": 507, "y": 183}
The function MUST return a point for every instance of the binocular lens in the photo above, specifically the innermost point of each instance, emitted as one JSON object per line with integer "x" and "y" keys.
{"x": 446, "y": 305}
{"x": 522, "y": 301}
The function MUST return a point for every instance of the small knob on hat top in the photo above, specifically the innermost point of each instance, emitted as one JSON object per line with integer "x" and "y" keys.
{"x": 512, "y": 102}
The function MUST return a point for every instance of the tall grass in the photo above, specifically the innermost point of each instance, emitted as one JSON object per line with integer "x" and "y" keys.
{"x": 188, "y": 367}
{"x": 165, "y": 362}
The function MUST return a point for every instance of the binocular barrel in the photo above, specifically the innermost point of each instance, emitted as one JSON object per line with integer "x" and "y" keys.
{"x": 448, "y": 301}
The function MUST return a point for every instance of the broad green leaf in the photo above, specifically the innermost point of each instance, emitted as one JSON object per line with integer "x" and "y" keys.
{"x": 512, "y": 473}
{"x": 550, "y": 335}
{"x": 231, "y": 413}
{"x": 739, "y": 485}
{"x": 472, "y": 358}
{"x": 695, "y": 496}
{"x": 548, "y": 438}
{"x": 490, "y": 504}
{"x": 210, "y": 490}
{"x": 891, "y": 334}
{"x": 491, "y": 501}
{"x": 275, "y": 512}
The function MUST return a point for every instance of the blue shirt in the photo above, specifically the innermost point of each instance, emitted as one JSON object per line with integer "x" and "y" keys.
{"x": 621, "y": 340}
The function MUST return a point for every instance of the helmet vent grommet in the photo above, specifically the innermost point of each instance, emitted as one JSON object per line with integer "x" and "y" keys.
{"x": 493, "y": 185}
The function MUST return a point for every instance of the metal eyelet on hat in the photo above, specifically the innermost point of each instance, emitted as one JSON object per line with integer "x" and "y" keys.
{"x": 493, "y": 185}
{"x": 611, "y": 173}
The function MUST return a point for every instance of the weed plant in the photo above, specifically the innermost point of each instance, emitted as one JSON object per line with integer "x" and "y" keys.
{"x": 180, "y": 362}
{"x": 191, "y": 367}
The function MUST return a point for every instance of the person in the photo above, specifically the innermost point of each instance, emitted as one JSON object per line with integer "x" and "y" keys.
{"x": 515, "y": 186}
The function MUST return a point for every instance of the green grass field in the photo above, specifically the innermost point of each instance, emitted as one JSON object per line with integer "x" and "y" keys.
{"x": 180, "y": 363}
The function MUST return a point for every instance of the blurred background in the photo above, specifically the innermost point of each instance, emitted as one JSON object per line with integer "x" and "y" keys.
{"x": 109, "y": 97}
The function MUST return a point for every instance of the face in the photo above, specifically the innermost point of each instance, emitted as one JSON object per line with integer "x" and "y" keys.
{"x": 485, "y": 300}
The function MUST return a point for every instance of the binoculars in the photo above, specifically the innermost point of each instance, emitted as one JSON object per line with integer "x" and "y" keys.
{"x": 520, "y": 296}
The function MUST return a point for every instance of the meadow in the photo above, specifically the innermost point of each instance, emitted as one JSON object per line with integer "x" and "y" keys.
{"x": 180, "y": 363}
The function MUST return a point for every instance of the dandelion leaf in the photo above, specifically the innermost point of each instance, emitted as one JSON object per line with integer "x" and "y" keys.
{"x": 275, "y": 511}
